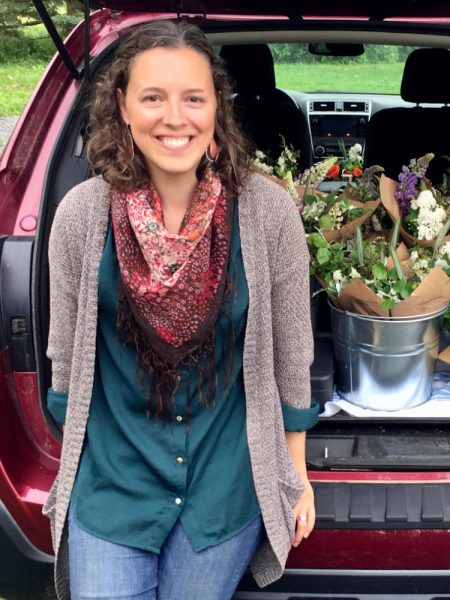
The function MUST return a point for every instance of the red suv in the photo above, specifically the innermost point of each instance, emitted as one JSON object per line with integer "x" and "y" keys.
{"x": 382, "y": 484}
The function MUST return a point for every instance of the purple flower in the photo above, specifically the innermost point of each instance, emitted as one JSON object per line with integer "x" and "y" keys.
{"x": 406, "y": 189}
{"x": 420, "y": 165}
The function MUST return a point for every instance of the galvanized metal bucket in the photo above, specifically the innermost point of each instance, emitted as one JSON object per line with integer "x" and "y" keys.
{"x": 385, "y": 363}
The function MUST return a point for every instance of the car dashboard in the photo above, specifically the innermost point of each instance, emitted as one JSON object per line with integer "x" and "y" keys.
{"x": 334, "y": 118}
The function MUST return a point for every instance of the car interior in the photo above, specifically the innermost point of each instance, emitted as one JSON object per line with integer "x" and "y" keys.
{"x": 387, "y": 127}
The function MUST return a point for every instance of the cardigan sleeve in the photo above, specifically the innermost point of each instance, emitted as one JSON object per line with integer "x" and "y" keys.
{"x": 300, "y": 419}
{"x": 64, "y": 283}
{"x": 291, "y": 322}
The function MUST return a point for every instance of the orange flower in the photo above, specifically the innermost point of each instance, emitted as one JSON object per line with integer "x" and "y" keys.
{"x": 333, "y": 171}
{"x": 357, "y": 172}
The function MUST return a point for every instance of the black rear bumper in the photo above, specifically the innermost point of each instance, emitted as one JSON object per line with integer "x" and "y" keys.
{"x": 299, "y": 584}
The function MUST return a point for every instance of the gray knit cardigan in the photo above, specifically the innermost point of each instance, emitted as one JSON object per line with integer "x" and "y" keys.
{"x": 278, "y": 349}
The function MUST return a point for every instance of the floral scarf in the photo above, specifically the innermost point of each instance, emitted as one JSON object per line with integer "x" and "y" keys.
{"x": 174, "y": 283}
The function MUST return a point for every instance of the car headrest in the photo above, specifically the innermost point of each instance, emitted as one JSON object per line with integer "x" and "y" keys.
{"x": 426, "y": 76}
{"x": 250, "y": 68}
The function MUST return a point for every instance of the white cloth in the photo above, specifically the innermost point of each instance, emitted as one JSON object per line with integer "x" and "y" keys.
{"x": 437, "y": 406}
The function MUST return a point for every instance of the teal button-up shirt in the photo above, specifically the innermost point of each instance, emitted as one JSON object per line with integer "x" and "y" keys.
{"x": 137, "y": 476}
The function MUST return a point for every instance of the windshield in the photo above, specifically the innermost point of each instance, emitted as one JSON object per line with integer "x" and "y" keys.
{"x": 378, "y": 71}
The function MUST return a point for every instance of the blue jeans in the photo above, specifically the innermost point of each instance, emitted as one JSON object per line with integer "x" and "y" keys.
{"x": 101, "y": 569}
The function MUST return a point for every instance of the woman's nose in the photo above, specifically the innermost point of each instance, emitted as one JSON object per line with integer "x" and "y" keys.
{"x": 173, "y": 113}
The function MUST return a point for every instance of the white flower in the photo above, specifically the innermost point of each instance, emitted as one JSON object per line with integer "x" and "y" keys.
{"x": 354, "y": 153}
{"x": 313, "y": 211}
{"x": 339, "y": 281}
{"x": 260, "y": 154}
{"x": 355, "y": 274}
{"x": 356, "y": 149}
{"x": 262, "y": 165}
{"x": 420, "y": 267}
{"x": 430, "y": 216}
{"x": 425, "y": 200}
{"x": 376, "y": 224}
{"x": 442, "y": 263}
{"x": 444, "y": 250}
{"x": 281, "y": 161}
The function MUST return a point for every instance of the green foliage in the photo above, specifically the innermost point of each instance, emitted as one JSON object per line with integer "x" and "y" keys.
{"x": 22, "y": 35}
{"x": 18, "y": 48}
{"x": 298, "y": 53}
{"x": 22, "y": 12}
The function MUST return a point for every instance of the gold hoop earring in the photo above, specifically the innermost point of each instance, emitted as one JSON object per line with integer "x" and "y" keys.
{"x": 129, "y": 143}
{"x": 212, "y": 151}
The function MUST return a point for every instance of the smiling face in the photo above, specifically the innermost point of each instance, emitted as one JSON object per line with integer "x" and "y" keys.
{"x": 170, "y": 104}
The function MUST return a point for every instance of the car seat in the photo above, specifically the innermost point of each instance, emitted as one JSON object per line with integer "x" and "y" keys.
{"x": 396, "y": 135}
{"x": 264, "y": 111}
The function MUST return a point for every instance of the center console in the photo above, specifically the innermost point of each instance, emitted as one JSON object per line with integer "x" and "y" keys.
{"x": 331, "y": 121}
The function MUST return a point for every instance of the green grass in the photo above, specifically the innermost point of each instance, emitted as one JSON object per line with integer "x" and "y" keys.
{"x": 362, "y": 77}
{"x": 24, "y": 55}
{"x": 17, "y": 82}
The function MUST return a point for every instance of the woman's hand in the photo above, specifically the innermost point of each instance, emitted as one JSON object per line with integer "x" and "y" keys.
{"x": 304, "y": 514}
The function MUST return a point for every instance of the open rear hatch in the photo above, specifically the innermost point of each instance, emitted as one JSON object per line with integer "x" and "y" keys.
{"x": 334, "y": 443}
{"x": 294, "y": 11}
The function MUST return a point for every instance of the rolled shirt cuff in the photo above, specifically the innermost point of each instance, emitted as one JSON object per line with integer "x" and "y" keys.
{"x": 57, "y": 405}
{"x": 300, "y": 419}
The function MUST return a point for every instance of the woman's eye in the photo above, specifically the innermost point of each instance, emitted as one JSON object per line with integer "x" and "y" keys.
{"x": 195, "y": 99}
{"x": 152, "y": 98}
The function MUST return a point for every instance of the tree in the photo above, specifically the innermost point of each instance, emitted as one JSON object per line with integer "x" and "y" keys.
{"x": 19, "y": 13}
{"x": 73, "y": 6}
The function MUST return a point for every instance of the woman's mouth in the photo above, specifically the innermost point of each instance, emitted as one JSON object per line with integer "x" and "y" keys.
{"x": 174, "y": 142}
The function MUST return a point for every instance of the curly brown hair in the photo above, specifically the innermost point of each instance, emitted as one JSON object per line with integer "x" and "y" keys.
{"x": 107, "y": 146}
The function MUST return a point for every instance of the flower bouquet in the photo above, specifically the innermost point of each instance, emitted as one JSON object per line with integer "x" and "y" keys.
{"x": 349, "y": 166}
{"x": 380, "y": 278}
{"x": 337, "y": 214}
{"x": 387, "y": 316}
{"x": 423, "y": 209}
{"x": 283, "y": 170}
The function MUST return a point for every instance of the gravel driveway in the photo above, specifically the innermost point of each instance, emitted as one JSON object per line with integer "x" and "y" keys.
{"x": 6, "y": 127}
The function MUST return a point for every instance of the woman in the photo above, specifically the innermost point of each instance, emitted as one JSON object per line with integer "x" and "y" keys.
{"x": 176, "y": 274}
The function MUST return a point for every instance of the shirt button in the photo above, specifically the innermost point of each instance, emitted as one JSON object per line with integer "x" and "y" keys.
{"x": 179, "y": 459}
{"x": 177, "y": 500}
{"x": 179, "y": 418}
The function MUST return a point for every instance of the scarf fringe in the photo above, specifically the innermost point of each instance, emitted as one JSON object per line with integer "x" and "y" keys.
{"x": 164, "y": 377}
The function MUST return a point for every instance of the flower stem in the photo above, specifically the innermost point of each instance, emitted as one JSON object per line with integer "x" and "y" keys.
{"x": 359, "y": 246}
{"x": 440, "y": 238}
{"x": 392, "y": 249}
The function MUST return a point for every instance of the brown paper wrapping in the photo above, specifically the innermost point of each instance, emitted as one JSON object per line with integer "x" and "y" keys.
{"x": 358, "y": 298}
{"x": 387, "y": 190}
{"x": 431, "y": 295}
{"x": 348, "y": 230}
{"x": 284, "y": 184}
